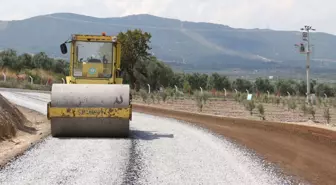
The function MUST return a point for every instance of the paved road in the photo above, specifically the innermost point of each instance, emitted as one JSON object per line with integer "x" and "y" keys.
{"x": 160, "y": 151}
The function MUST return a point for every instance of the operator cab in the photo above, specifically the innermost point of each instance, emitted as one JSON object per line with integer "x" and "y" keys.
{"x": 94, "y": 57}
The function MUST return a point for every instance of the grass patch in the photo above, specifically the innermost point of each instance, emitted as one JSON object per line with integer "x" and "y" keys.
{"x": 24, "y": 85}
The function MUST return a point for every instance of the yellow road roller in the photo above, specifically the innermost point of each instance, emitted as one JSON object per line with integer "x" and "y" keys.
{"x": 93, "y": 102}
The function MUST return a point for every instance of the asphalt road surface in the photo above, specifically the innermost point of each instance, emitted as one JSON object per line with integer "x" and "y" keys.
{"x": 160, "y": 151}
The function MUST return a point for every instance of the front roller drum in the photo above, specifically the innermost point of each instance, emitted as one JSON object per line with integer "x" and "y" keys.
{"x": 90, "y": 110}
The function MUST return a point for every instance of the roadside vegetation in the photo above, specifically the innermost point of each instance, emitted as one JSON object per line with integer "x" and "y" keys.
{"x": 16, "y": 70}
{"x": 204, "y": 92}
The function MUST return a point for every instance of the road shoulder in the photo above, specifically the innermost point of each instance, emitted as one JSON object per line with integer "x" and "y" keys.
{"x": 14, "y": 147}
{"x": 296, "y": 148}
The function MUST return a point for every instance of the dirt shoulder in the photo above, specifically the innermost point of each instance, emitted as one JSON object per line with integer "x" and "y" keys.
{"x": 15, "y": 146}
{"x": 301, "y": 151}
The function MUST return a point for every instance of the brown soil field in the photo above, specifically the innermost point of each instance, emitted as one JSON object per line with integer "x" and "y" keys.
{"x": 231, "y": 108}
{"x": 302, "y": 151}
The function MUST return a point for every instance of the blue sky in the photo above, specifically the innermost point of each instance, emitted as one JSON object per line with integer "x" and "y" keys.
{"x": 273, "y": 14}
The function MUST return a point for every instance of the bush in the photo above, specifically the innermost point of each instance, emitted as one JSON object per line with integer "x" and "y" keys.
{"x": 24, "y": 85}
{"x": 311, "y": 111}
{"x": 277, "y": 101}
{"x": 236, "y": 97}
{"x": 144, "y": 95}
{"x": 163, "y": 95}
{"x": 206, "y": 96}
{"x": 170, "y": 92}
{"x": 249, "y": 105}
{"x": 200, "y": 99}
{"x": 304, "y": 108}
{"x": 158, "y": 97}
{"x": 133, "y": 93}
{"x": 199, "y": 104}
{"x": 152, "y": 96}
{"x": 265, "y": 98}
{"x": 291, "y": 105}
{"x": 261, "y": 111}
{"x": 326, "y": 114}
{"x": 284, "y": 102}
{"x": 242, "y": 97}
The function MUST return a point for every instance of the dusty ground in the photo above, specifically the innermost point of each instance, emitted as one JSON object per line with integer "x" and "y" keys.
{"x": 231, "y": 108}
{"x": 308, "y": 156}
{"x": 10, "y": 148}
{"x": 305, "y": 152}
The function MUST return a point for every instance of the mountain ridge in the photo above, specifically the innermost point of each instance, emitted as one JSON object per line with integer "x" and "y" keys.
{"x": 185, "y": 44}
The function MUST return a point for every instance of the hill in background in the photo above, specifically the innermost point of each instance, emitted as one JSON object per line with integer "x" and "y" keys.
{"x": 184, "y": 45}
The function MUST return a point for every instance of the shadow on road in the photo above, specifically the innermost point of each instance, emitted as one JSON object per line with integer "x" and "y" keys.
{"x": 148, "y": 135}
{"x": 133, "y": 135}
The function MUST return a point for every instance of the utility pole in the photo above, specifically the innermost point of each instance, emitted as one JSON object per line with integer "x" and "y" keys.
{"x": 306, "y": 37}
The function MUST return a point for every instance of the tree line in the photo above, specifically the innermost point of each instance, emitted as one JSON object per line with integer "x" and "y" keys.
{"x": 140, "y": 67}
{"x": 9, "y": 58}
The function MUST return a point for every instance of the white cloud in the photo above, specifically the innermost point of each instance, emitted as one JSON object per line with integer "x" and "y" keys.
{"x": 275, "y": 14}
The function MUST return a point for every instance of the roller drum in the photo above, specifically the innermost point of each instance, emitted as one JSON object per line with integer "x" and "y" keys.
{"x": 90, "y": 95}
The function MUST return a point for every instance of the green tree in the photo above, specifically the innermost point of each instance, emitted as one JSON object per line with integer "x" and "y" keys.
{"x": 26, "y": 60}
{"x": 197, "y": 80}
{"x": 264, "y": 85}
{"x": 41, "y": 60}
{"x": 322, "y": 89}
{"x": 242, "y": 84}
{"x": 8, "y": 58}
{"x": 134, "y": 48}
{"x": 301, "y": 87}
{"x": 186, "y": 87}
{"x": 219, "y": 82}
{"x": 158, "y": 73}
{"x": 285, "y": 86}
{"x": 62, "y": 67}
{"x": 177, "y": 79}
